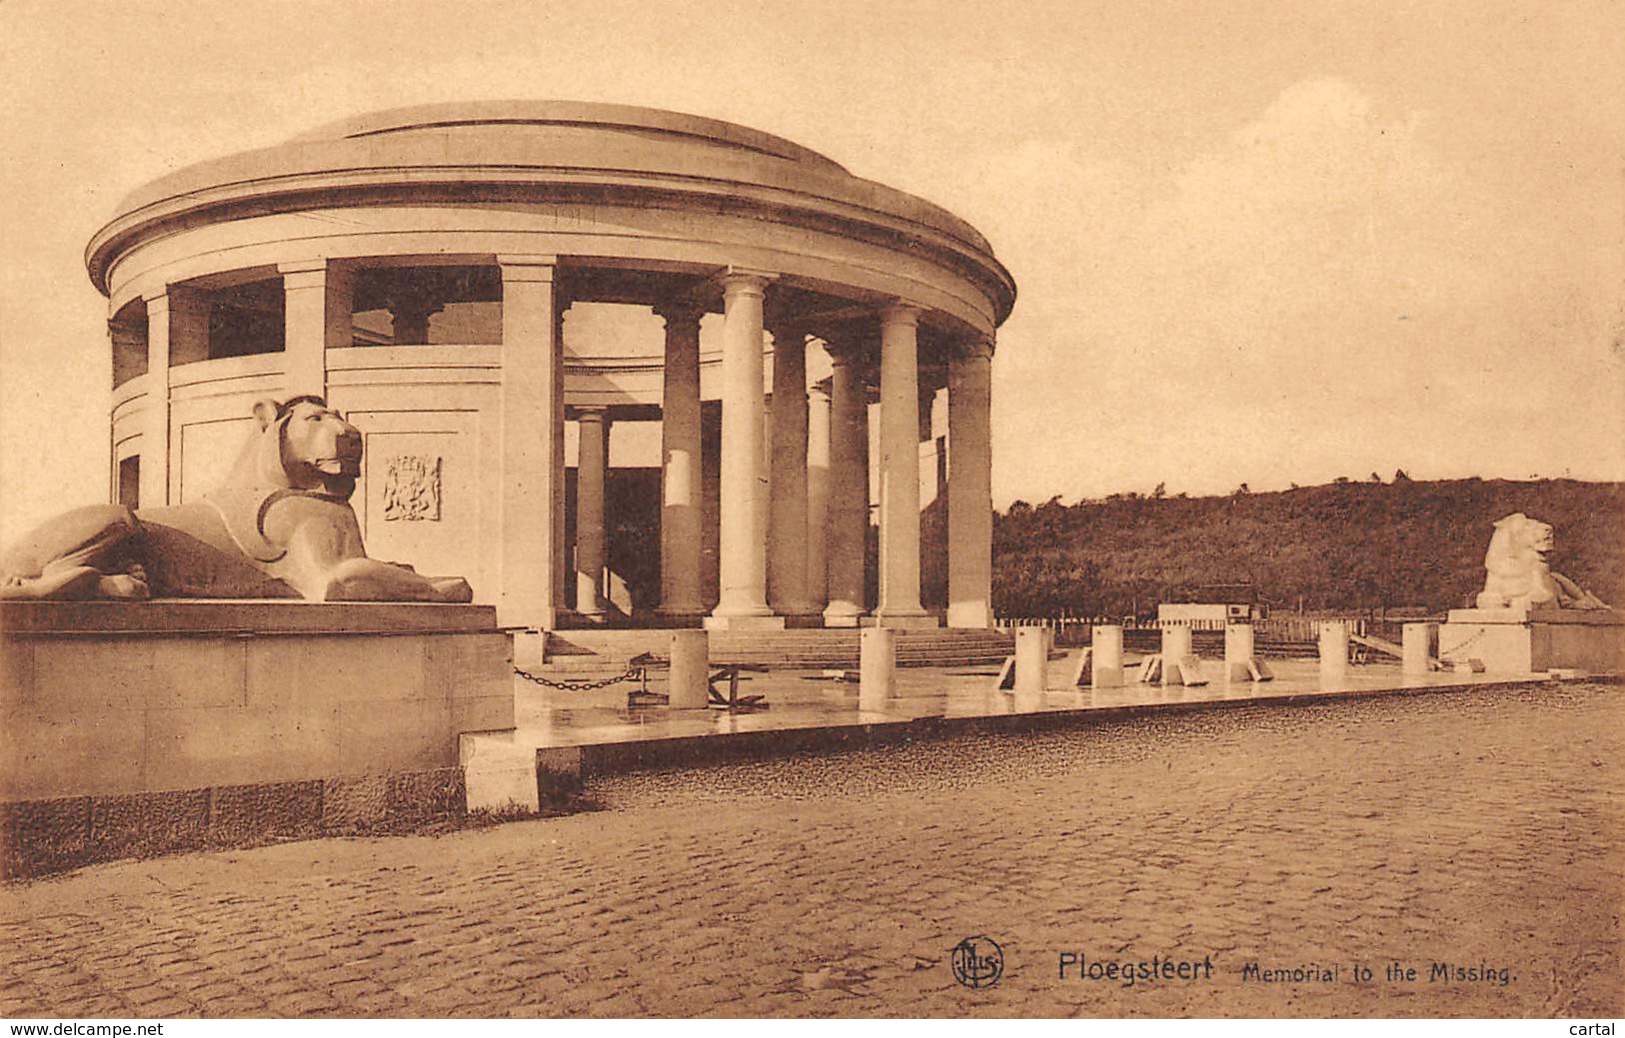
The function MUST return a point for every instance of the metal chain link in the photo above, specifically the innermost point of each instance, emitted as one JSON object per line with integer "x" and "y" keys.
{"x": 563, "y": 685}
{"x": 1451, "y": 652}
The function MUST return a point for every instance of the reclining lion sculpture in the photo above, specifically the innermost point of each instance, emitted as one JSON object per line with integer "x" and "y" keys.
{"x": 1518, "y": 574}
{"x": 281, "y": 526}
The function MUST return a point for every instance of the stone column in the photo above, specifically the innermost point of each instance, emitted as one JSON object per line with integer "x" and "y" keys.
{"x": 900, "y": 471}
{"x": 848, "y": 518}
{"x": 787, "y": 511}
{"x": 970, "y": 488}
{"x": 591, "y": 539}
{"x": 409, "y": 320}
{"x": 817, "y": 496}
{"x": 177, "y": 333}
{"x": 316, "y": 318}
{"x": 681, "y": 510}
{"x": 532, "y": 433}
{"x": 743, "y": 595}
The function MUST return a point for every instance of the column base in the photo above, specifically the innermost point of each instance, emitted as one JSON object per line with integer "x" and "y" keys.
{"x": 680, "y": 617}
{"x": 970, "y": 615}
{"x": 842, "y": 615}
{"x": 744, "y": 623}
{"x": 907, "y": 621}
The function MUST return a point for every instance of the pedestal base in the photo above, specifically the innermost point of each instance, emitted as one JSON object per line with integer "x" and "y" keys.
{"x": 744, "y": 623}
{"x": 908, "y": 621}
{"x": 101, "y": 698}
{"x": 1513, "y": 641}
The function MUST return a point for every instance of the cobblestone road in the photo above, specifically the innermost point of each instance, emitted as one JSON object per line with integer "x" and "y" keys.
{"x": 1473, "y": 828}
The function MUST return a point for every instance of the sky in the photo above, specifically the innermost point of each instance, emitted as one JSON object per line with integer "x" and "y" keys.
{"x": 1269, "y": 243}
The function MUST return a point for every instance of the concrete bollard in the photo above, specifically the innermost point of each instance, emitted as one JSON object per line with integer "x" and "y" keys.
{"x": 877, "y": 667}
{"x": 1106, "y": 644}
{"x": 1418, "y": 642}
{"x": 1032, "y": 659}
{"x": 1179, "y": 663}
{"x": 1238, "y": 652}
{"x": 690, "y": 667}
{"x": 1176, "y": 642}
{"x": 1334, "y": 648}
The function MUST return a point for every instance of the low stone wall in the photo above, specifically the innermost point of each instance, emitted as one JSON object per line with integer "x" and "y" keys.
{"x": 38, "y": 837}
{"x": 136, "y": 727}
{"x": 103, "y": 698}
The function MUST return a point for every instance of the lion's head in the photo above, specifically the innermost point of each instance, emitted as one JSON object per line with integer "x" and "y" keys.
{"x": 1518, "y": 574}
{"x": 302, "y": 444}
{"x": 1517, "y": 540}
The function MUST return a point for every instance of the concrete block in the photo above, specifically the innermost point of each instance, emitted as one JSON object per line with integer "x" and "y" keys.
{"x": 265, "y": 809}
{"x": 43, "y": 756}
{"x": 148, "y": 823}
{"x": 39, "y": 835}
{"x": 355, "y": 804}
{"x": 394, "y": 735}
{"x": 499, "y": 774}
{"x": 482, "y": 713}
{"x": 558, "y": 772}
{"x": 208, "y": 746}
{"x": 16, "y": 673}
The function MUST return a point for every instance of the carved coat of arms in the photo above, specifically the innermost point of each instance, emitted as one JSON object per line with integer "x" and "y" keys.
{"x": 412, "y": 488}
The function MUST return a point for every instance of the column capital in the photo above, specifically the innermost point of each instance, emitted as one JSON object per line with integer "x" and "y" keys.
{"x": 590, "y": 412}
{"x": 899, "y": 312}
{"x": 527, "y": 267}
{"x": 679, "y": 311}
{"x": 744, "y": 281}
{"x": 299, "y": 275}
{"x": 978, "y": 347}
{"x": 308, "y": 266}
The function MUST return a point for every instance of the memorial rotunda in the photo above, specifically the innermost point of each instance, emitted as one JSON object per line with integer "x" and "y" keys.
{"x": 487, "y": 290}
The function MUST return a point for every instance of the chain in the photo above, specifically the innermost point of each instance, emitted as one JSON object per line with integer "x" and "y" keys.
{"x": 634, "y": 673}
{"x": 1451, "y": 652}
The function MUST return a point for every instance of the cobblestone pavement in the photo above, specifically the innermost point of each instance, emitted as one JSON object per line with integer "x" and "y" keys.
{"x": 1480, "y": 827}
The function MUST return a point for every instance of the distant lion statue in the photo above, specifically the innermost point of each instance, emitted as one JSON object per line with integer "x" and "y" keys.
{"x": 281, "y": 526}
{"x": 1518, "y": 574}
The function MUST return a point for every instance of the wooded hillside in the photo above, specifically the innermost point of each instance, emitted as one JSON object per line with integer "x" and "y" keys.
{"x": 1342, "y": 545}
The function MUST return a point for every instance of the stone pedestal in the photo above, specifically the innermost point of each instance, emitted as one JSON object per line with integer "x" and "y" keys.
{"x": 109, "y": 698}
{"x": 1516, "y": 641}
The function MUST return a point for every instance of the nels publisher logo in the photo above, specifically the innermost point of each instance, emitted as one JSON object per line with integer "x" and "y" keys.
{"x": 978, "y": 962}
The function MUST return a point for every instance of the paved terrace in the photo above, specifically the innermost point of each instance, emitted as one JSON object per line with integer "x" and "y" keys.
{"x": 807, "y": 703}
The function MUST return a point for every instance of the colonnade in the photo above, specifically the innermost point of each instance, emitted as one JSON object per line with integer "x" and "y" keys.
{"x": 794, "y": 553}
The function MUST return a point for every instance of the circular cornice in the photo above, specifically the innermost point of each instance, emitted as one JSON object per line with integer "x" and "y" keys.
{"x": 549, "y": 152}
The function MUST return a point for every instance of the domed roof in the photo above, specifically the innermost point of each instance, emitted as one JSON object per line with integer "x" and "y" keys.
{"x": 536, "y": 151}
{"x": 559, "y": 119}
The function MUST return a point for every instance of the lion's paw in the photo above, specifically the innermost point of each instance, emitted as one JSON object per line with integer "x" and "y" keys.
{"x": 453, "y": 589}
{"x": 124, "y": 585}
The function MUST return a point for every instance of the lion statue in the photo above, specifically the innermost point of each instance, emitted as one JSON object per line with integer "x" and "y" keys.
{"x": 281, "y": 526}
{"x": 1518, "y": 574}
